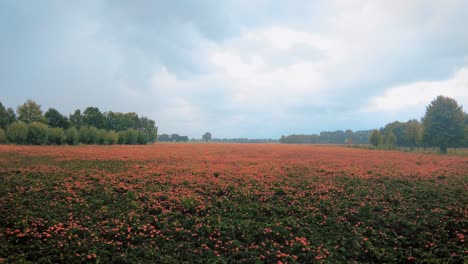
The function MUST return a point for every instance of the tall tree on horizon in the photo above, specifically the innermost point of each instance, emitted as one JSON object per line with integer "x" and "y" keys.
{"x": 207, "y": 136}
{"x": 7, "y": 116}
{"x": 30, "y": 112}
{"x": 56, "y": 119}
{"x": 444, "y": 123}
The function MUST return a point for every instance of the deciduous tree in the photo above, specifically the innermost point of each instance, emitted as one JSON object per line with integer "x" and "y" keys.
{"x": 375, "y": 138}
{"x": 444, "y": 123}
{"x": 207, "y": 136}
{"x": 30, "y": 112}
{"x": 17, "y": 133}
{"x": 56, "y": 119}
{"x": 7, "y": 116}
{"x": 76, "y": 119}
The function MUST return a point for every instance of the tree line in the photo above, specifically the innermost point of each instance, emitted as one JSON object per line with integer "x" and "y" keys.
{"x": 29, "y": 125}
{"x": 172, "y": 138}
{"x": 329, "y": 137}
{"x": 245, "y": 140}
{"x": 444, "y": 125}
{"x": 177, "y": 138}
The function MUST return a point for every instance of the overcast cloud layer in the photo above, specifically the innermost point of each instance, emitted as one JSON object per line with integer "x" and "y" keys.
{"x": 235, "y": 68}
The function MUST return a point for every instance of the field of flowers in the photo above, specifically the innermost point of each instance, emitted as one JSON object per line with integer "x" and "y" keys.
{"x": 230, "y": 203}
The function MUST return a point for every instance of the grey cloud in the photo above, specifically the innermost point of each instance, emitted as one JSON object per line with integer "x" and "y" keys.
{"x": 71, "y": 55}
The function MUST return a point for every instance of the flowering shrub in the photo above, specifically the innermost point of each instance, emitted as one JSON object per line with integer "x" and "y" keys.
{"x": 265, "y": 203}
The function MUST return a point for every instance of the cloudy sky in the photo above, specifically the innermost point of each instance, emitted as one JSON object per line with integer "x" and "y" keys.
{"x": 237, "y": 68}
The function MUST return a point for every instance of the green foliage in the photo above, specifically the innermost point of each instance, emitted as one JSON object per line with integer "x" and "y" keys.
{"x": 122, "y": 137}
{"x": 164, "y": 138}
{"x": 122, "y": 121}
{"x": 93, "y": 117}
{"x": 76, "y": 119}
{"x": 149, "y": 127}
{"x": 142, "y": 138}
{"x": 107, "y": 137}
{"x": 56, "y": 119}
{"x": 56, "y": 136}
{"x": 444, "y": 123}
{"x": 112, "y": 137}
{"x": 90, "y": 127}
{"x": 131, "y": 136}
{"x": 71, "y": 136}
{"x": 406, "y": 133}
{"x": 7, "y": 116}
{"x": 391, "y": 140}
{"x": 207, "y": 136}
{"x": 328, "y": 137}
{"x": 30, "y": 112}
{"x": 102, "y": 140}
{"x": 89, "y": 135}
{"x": 17, "y": 133}
{"x": 465, "y": 131}
{"x": 172, "y": 138}
{"x": 2, "y": 136}
{"x": 375, "y": 138}
{"x": 411, "y": 131}
{"x": 38, "y": 134}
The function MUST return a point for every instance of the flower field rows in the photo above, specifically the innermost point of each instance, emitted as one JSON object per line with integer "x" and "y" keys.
{"x": 225, "y": 203}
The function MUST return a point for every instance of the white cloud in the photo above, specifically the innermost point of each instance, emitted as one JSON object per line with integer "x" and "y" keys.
{"x": 364, "y": 43}
{"x": 421, "y": 93}
{"x": 254, "y": 80}
{"x": 284, "y": 38}
{"x": 312, "y": 73}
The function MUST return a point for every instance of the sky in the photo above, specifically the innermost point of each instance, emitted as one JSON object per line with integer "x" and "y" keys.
{"x": 237, "y": 68}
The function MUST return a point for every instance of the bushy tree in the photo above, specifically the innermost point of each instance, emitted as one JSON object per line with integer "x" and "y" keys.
{"x": 56, "y": 119}
{"x": 71, "y": 136}
{"x": 149, "y": 127}
{"x": 30, "y": 112}
{"x": 76, "y": 119}
{"x": 7, "y": 116}
{"x": 17, "y": 133}
{"x": 89, "y": 135}
{"x": 132, "y": 136}
{"x": 444, "y": 123}
{"x": 164, "y": 138}
{"x": 391, "y": 140}
{"x": 56, "y": 136}
{"x": 122, "y": 137}
{"x": 142, "y": 138}
{"x": 375, "y": 138}
{"x": 102, "y": 137}
{"x": 411, "y": 132}
{"x": 122, "y": 121}
{"x": 107, "y": 137}
{"x": 2, "y": 136}
{"x": 94, "y": 135}
{"x": 207, "y": 136}
{"x": 465, "y": 140}
{"x": 112, "y": 137}
{"x": 175, "y": 137}
{"x": 38, "y": 134}
{"x": 93, "y": 117}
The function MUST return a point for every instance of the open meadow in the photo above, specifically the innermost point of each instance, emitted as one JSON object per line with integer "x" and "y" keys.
{"x": 225, "y": 203}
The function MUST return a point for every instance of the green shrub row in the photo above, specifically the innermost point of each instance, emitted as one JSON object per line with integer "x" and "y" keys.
{"x": 39, "y": 134}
